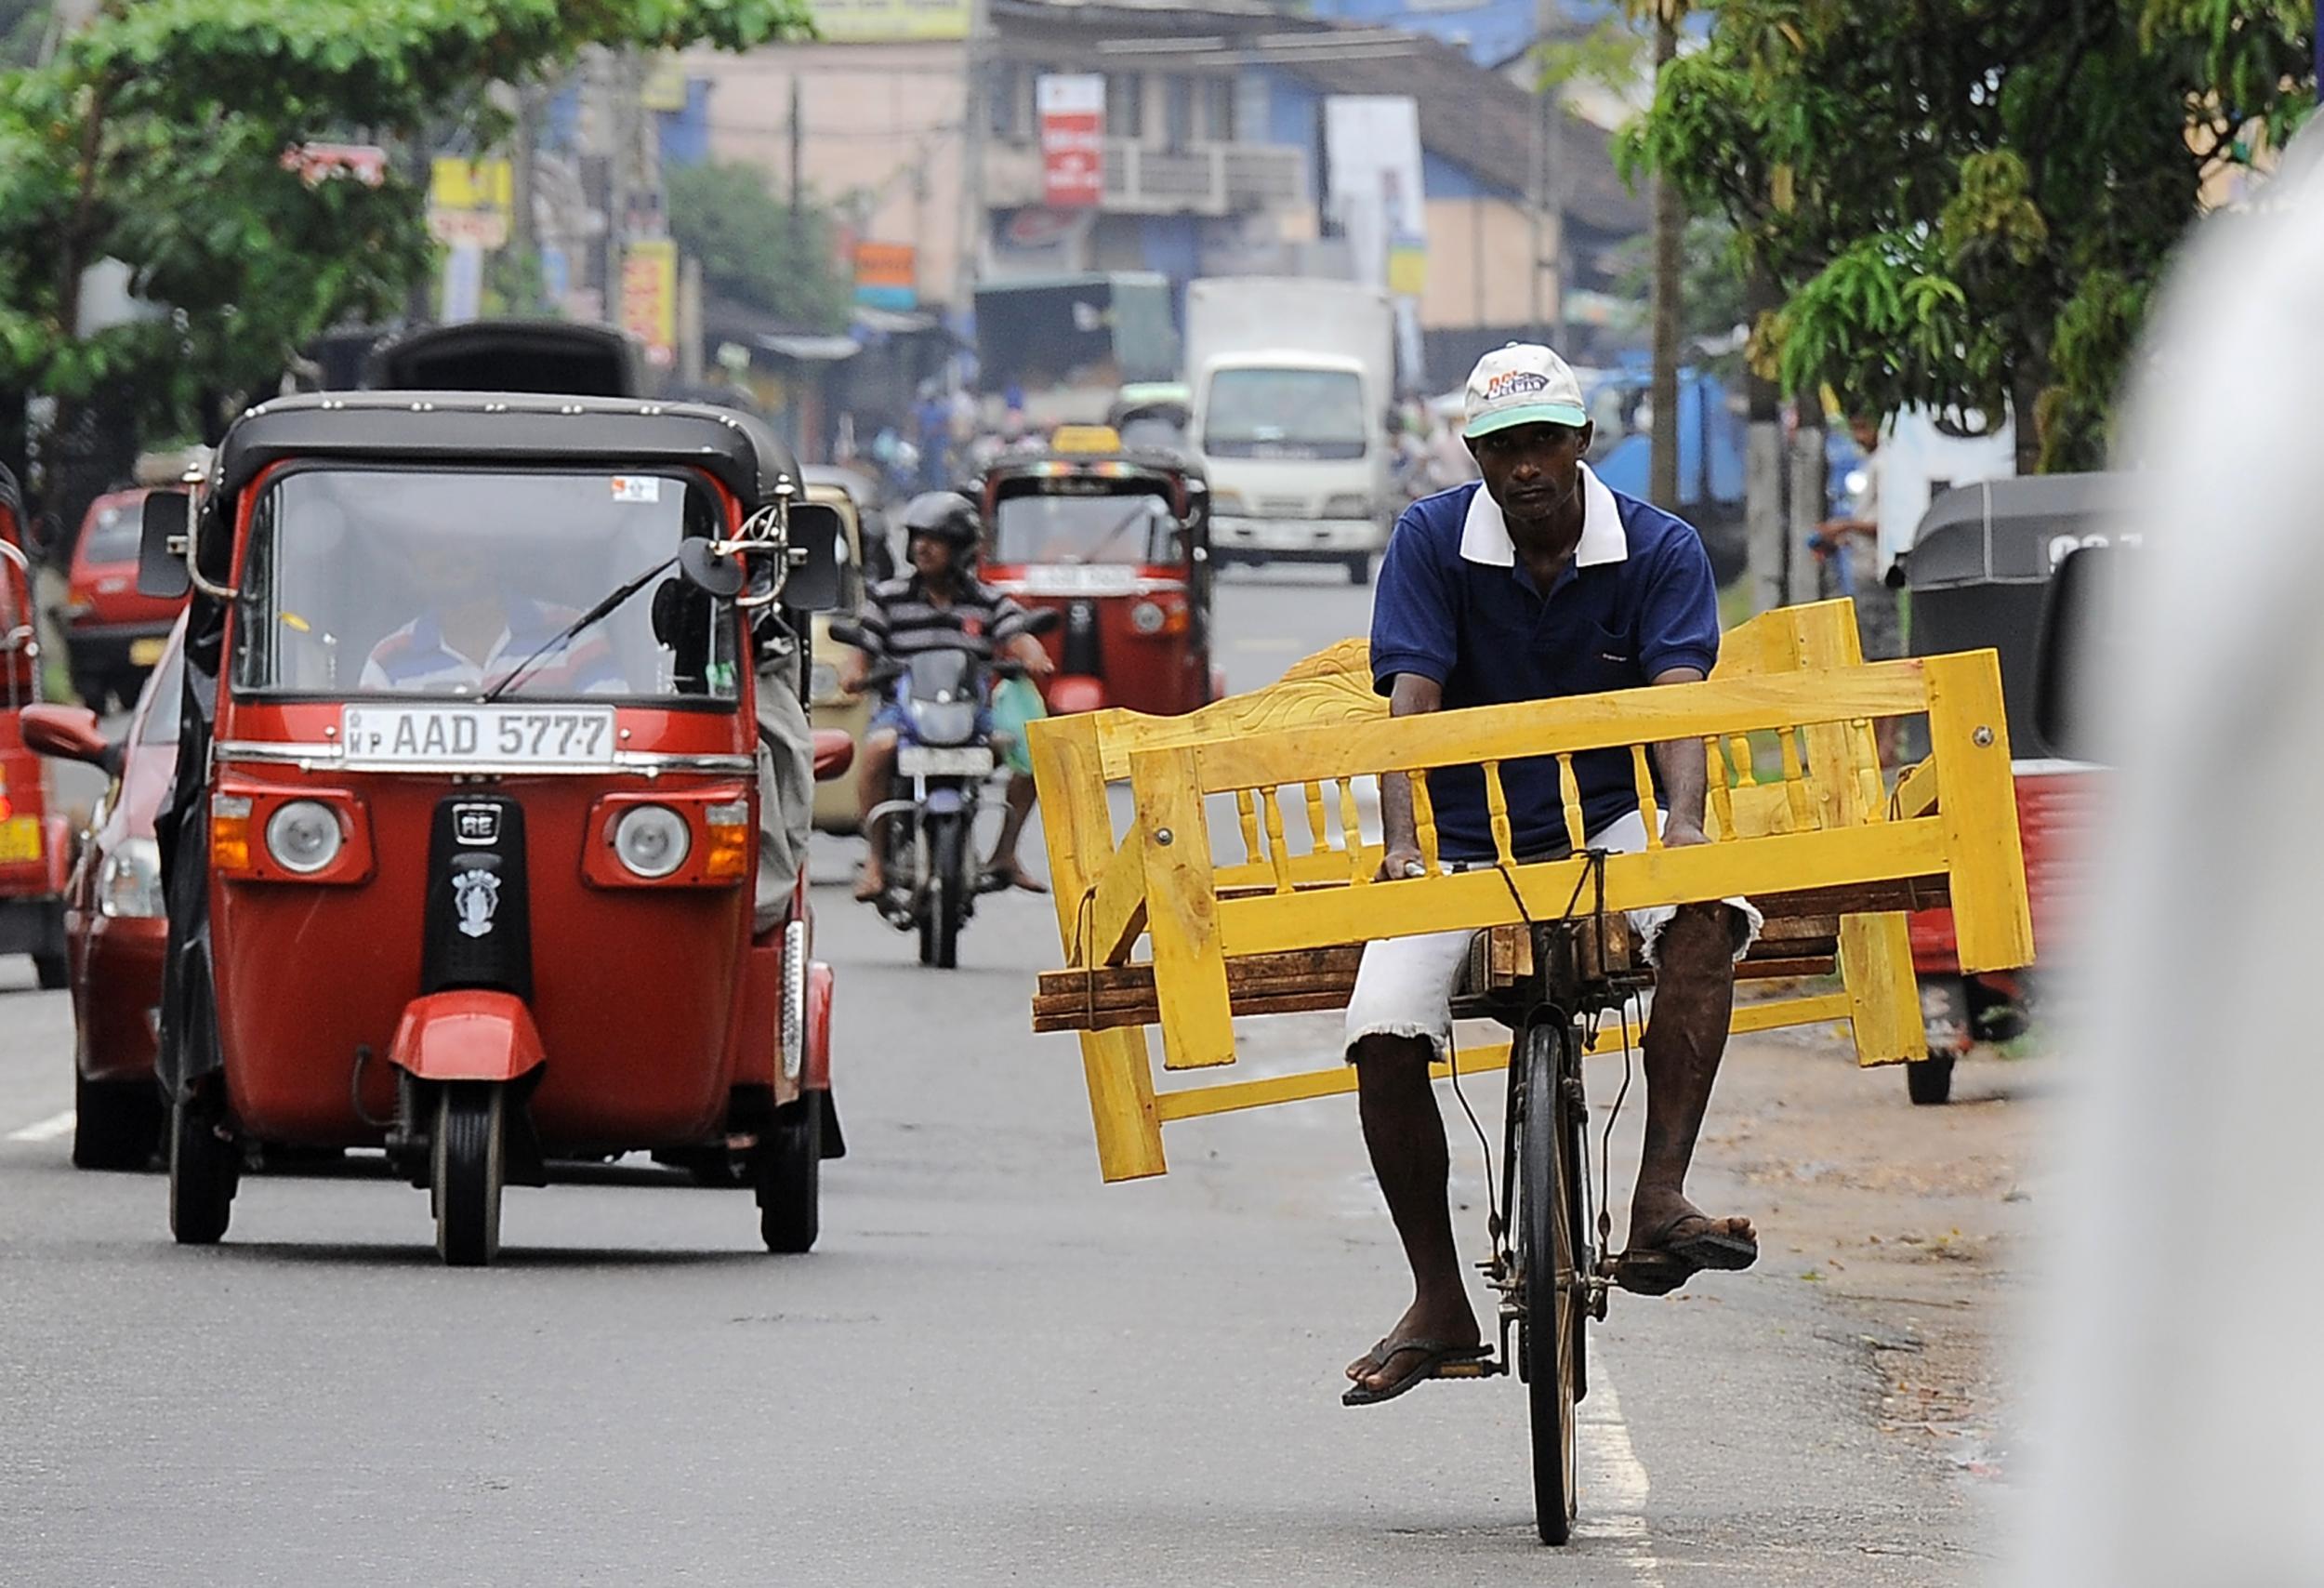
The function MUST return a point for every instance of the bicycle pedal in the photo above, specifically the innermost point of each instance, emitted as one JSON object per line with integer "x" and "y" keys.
{"x": 1482, "y": 1368}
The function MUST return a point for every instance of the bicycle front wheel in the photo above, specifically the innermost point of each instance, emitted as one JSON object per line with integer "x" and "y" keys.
{"x": 1549, "y": 1195}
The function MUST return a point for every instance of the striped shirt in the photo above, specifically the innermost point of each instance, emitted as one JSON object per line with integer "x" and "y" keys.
{"x": 900, "y": 621}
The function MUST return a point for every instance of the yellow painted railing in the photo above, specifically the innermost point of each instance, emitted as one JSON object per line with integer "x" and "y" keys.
{"x": 1791, "y": 685}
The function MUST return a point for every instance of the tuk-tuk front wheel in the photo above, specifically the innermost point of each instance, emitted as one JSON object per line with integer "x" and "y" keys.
{"x": 468, "y": 1169}
{"x": 203, "y": 1169}
{"x": 789, "y": 1176}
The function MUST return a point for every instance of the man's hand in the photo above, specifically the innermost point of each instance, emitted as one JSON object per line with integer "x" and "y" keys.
{"x": 1678, "y": 834}
{"x": 1401, "y": 861}
{"x": 854, "y": 671}
{"x": 1029, "y": 652}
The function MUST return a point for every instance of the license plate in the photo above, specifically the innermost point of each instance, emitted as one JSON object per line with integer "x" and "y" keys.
{"x": 928, "y": 761}
{"x": 20, "y": 841}
{"x": 145, "y": 652}
{"x": 464, "y": 736}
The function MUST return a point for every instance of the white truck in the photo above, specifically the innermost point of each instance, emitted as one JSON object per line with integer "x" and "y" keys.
{"x": 1292, "y": 380}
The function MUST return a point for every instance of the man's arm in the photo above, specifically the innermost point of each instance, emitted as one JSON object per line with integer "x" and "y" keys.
{"x": 1410, "y": 697}
{"x": 1010, "y": 636}
{"x": 1684, "y": 765}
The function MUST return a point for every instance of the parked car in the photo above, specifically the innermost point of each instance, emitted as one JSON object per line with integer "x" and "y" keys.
{"x": 113, "y": 924}
{"x": 112, "y": 635}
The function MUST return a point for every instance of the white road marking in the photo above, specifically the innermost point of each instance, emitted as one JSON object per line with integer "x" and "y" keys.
{"x": 47, "y": 1129}
{"x": 1613, "y": 1485}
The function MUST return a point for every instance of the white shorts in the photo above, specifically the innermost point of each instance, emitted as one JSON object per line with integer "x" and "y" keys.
{"x": 1404, "y": 985}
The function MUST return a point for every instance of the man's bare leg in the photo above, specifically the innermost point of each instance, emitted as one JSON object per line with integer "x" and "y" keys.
{"x": 1013, "y": 819}
{"x": 1405, "y": 1135}
{"x": 875, "y": 780}
{"x": 1686, "y": 1039}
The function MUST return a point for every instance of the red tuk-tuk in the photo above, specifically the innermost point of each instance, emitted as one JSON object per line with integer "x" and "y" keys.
{"x": 1979, "y": 572}
{"x": 1118, "y": 541}
{"x": 461, "y": 858}
{"x": 35, "y": 845}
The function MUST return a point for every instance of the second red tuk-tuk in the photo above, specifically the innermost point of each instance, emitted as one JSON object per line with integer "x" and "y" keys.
{"x": 462, "y": 856}
{"x": 35, "y": 840}
{"x": 1118, "y": 542}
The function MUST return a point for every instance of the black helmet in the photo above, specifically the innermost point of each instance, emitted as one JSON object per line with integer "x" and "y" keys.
{"x": 948, "y": 515}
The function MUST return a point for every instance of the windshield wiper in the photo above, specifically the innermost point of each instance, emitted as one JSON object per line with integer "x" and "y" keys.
{"x": 1113, "y": 535}
{"x": 597, "y": 614}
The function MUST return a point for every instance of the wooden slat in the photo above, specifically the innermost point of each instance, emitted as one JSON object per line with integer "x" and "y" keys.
{"x": 1173, "y": 835}
{"x": 1612, "y": 721}
{"x": 1992, "y": 928}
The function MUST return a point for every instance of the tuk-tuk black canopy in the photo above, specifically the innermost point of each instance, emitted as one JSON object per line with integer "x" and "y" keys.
{"x": 1980, "y": 566}
{"x": 1998, "y": 532}
{"x": 553, "y": 356}
{"x": 481, "y": 426}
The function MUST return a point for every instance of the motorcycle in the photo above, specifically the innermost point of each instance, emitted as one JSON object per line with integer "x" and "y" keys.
{"x": 946, "y": 756}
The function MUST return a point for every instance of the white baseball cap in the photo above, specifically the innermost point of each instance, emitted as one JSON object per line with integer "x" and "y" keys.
{"x": 1524, "y": 383}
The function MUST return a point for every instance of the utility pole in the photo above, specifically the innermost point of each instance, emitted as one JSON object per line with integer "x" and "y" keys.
{"x": 524, "y": 237}
{"x": 974, "y": 114}
{"x": 1763, "y": 467}
{"x": 799, "y": 138}
{"x": 1669, "y": 221}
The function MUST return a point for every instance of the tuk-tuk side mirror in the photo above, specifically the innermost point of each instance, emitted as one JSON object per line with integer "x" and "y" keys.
{"x": 2075, "y": 651}
{"x": 707, "y": 571}
{"x": 68, "y": 733}
{"x": 168, "y": 524}
{"x": 816, "y": 538}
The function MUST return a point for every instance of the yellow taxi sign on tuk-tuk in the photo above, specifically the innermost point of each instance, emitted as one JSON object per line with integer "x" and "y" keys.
{"x": 1086, "y": 438}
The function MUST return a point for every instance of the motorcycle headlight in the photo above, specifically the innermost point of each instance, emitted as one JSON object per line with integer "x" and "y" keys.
{"x": 943, "y": 721}
{"x": 1349, "y": 505}
{"x": 129, "y": 882}
{"x": 651, "y": 840}
{"x": 823, "y": 684}
{"x": 304, "y": 836}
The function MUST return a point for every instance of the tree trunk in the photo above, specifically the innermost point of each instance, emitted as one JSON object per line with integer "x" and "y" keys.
{"x": 1763, "y": 467}
{"x": 1808, "y": 504}
{"x": 1669, "y": 222}
{"x": 2024, "y": 395}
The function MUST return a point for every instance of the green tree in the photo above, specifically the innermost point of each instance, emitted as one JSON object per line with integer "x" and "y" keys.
{"x": 157, "y": 138}
{"x": 1967, "y": 203}
{"x": 755, "y": 249}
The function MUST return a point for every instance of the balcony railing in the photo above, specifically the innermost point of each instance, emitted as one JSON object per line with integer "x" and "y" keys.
{"x": 1202, "y": 178}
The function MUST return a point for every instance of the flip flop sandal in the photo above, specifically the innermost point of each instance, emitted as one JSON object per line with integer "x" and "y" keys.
{"x": 995, "y": 880}
{"x": 1659, "y": 1269}
{"x": 1430, "y": 1357}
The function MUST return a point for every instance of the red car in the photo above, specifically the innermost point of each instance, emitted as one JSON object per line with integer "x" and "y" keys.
{"x": 35, "y": 845}
{"x": 115, "y": 929}
{"x": 112, "y": 634}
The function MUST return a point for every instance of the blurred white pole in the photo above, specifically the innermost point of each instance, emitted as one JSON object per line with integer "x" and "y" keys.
{"x": 2180, "y": 1420}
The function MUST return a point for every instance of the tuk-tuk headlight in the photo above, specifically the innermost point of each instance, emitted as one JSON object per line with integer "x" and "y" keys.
{"x": 652, "y": 841}
{"x": 129, "y": 882}
{"x": 304, "y": 836}
{"x": 1147, "y": 617}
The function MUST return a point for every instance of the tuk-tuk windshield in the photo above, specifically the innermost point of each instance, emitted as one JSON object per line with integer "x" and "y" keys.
{"x": 1133, "y": 526}
{"x": 401, "y": 582}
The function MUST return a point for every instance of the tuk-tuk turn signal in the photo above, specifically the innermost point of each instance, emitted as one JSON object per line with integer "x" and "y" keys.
{"x": 728, "y": 857}
{"x": 229, "y": 832}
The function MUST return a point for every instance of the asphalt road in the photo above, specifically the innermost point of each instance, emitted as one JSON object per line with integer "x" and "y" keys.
{"x": 992, "y": 1369}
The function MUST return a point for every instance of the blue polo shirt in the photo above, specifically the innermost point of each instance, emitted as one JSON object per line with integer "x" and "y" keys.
{"x": 1455, "y": 604}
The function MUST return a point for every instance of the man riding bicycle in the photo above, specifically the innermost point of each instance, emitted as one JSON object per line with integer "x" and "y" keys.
{"x": 1535, "y": 583}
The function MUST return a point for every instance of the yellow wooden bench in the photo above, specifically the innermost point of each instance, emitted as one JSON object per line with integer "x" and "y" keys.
{"x": 1833, "y": 859}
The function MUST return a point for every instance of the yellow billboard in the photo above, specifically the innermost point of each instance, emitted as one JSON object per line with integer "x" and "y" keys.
{"x": 888, "y": 21}
{"x": 649, "y": 297}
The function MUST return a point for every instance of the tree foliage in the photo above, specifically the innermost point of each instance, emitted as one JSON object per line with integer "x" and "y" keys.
{"x": 1967, "y": 203}
{"x": 754, "y": 248}
{"x": 157, "y": 138}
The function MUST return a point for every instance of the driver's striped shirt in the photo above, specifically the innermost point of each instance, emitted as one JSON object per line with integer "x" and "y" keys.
{"x": 899, "y": 620}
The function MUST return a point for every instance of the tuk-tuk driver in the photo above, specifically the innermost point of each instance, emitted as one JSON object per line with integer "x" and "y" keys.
{"x": 1536, "y": 582}
{"x": 471, "y": 632}
{"x": 940, "y": 605}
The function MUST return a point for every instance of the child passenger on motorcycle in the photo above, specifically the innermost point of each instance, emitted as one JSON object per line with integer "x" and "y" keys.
{"x": 940, "y": 606}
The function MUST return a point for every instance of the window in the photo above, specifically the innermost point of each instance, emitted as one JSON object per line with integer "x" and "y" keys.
{"x": 1217, "y": 110}
{"x": 1178, "y": 129}
{"x": 1124, "y": 105}
{"x": 1302, "y": 414}
{"x": 1118, "y": 528}
{"x": 1005, "y": 89}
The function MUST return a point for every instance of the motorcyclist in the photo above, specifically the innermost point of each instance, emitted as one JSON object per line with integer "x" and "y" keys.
{"x": 940, "y": 606}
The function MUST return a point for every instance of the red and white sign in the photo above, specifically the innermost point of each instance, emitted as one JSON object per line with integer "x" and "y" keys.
{"x": 320, "y": 163}
{"x": 1073, "y": 140}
